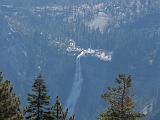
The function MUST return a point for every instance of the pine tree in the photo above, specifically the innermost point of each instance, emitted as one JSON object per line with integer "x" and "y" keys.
{"x": 58, "y": 112}
{"x": 9, "y": 102}
{"x": 72, "y": 118}
{"x": 38, "y": 100}
{"x": 120, "y": 100}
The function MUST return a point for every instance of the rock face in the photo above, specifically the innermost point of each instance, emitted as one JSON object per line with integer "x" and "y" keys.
{"x": 35, "y": 36}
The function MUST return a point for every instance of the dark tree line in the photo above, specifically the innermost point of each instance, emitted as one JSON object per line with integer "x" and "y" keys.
{"x": 39, "y": 104}
{"x": 38, "y": 107}
{"x": 119, "y": 98}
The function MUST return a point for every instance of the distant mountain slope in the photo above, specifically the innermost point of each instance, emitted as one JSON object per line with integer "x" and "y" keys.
{"x": 35, "y": 35}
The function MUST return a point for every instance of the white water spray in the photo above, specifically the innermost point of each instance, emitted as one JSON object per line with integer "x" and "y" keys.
{"x": 76, "y": 87}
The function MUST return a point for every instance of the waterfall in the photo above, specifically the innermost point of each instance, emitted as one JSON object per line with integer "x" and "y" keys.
{"x": 76, "y": 87}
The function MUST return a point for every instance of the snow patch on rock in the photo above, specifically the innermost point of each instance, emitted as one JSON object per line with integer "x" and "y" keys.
{"x": 100, "y": 21}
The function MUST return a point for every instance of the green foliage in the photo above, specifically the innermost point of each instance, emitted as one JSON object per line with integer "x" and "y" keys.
{"x": 58, "y": 112}
{"x": 9, "y": 102}
{"x": 72, "y": 118}
{"x": 121, "y": 105}
{"x": 38, "y": 101}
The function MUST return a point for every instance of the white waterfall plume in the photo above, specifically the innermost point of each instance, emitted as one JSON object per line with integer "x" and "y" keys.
{"x": 78, "y": 80}
{"x": 81, "y": 54}
{"x": 76, "y": 87}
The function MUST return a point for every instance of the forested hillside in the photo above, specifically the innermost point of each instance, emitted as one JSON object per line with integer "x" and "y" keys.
{"x": 35, "y": 36}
